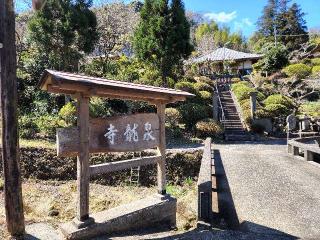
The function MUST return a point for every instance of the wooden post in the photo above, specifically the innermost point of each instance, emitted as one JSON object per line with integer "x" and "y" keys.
{"x": 161, "y": 165}
{"x": 10, "y": 144}
{"x": 83, "y": 176}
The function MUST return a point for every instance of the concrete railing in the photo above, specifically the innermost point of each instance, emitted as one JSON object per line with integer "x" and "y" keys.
{"x": 307, "y": 145}
{"x": 205, "y": 185}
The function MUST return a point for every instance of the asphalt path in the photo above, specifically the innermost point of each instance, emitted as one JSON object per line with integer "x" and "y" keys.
{"x": 271, "y": 192}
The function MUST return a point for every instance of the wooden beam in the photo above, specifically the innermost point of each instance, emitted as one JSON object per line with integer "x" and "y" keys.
{"x": 83, "y": 176}
{"x": 61, "y": 86}
{"x": 121, "y": 165}
{"x": 10, "y": 146}
{"x": 161, "y": 166}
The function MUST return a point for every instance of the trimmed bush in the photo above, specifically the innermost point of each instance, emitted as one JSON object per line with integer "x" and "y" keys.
{"x": 99, "y": 108}
{"x": 276, "y": 110}
{"x": 68, "y": 113}
{"x": 208, "y": 128}
{"x": 185, "y": 86}
{"x": 205, "y": 95}
{"x": 298, "y": 70}
{"x": 201, "y": 86}
{"x": 243, "y": 92}
{"x": 203, "y": 79}
{"x": 27, "y": 127}
{"x": 311, "y": 109}
{"x": 48, "y": 124}
{"x": 262, "y": 113}
{"x": 192, "y": 113}
{"x": 173, "y": 116}
{"x": 279, "y": 99}
{"x": 235, "y": 80}
{"x": 173, "y": 133}
{"x": 316, "y": 70}
{"x": 240, "y": 84}
{"x": 315, "y": 62}
{"x": 245, "y": 104}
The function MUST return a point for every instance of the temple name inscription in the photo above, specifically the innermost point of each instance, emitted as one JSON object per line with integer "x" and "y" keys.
{"x": 114, "y": 134}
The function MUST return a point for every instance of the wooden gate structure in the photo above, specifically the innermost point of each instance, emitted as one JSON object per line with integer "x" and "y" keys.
{"x": 116, "y": 134}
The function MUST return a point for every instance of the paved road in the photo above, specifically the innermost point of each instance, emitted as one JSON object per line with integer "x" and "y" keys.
{"x": 271, "y": 192}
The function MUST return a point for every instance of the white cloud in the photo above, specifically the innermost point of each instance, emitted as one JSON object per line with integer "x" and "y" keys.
{"x": 245, "y": 22}
{"x": 222, "y": 17}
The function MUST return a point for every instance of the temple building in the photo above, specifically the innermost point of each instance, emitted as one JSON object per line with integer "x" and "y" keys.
{"x": 224, "y": 60}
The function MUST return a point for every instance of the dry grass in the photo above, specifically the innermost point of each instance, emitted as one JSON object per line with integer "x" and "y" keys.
{"x": 54, "y": 202}
{"x": 36, "y": 143}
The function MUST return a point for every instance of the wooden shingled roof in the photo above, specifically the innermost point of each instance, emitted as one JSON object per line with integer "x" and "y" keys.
{"x": 69, "y": 83}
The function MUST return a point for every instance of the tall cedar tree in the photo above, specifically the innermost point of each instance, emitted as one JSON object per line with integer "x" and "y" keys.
{"x": 62, "y": 30}
{"x": 293, "y": 24}
{"x": 180, "y": 32}
{"x": 278, "y": 16}
{"x": 267, "y": 22}
{"x": 162, "y": 37}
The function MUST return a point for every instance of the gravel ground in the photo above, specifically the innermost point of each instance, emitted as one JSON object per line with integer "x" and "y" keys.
{"x": 272, "y": 192}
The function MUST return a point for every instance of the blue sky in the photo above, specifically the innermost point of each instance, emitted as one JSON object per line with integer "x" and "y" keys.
{"x": 243, "y": 14}
{"x": 239, "y": 15}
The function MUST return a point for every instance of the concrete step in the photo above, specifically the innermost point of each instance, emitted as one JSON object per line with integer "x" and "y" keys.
{"x": 232, "y": 127}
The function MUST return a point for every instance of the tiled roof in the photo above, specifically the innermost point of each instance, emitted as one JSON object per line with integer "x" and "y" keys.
{"x": 224, "y": 54}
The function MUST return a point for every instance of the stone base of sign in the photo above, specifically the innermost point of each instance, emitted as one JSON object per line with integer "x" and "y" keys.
{"x": 83, "y": 224}
{"x": 157, "y": 209}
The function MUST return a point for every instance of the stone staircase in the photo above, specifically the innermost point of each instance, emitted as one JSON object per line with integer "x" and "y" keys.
{"x": 234, "y": 129}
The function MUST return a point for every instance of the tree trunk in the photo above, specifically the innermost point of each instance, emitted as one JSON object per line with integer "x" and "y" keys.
{"x": 10, "y": 146}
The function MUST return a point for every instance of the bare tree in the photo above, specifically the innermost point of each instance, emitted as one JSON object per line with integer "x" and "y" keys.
{"x": 297, "y": 89}
{"x": 21, "y": 32}
{"x": 116, "y": 24}
{"x": 206, "y": 44}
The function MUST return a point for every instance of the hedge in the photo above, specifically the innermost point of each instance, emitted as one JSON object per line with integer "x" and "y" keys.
{"x": 43, "y": 164}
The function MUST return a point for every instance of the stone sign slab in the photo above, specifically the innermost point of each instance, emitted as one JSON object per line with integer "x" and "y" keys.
{"x": 115, "y": 134}
{"x": 151, "y": 211}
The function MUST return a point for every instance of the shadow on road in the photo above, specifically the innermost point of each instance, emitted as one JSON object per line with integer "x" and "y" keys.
{"x": 226, "y": 205}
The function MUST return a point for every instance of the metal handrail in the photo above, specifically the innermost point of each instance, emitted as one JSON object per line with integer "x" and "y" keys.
{"x": 223, "y": 116}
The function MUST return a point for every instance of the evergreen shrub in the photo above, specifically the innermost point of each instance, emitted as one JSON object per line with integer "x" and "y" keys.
{"x": 185, "y": 86}
{"x": 192, "y": 113}
{"x": 201, "y": 86}
{"x": 68, "y": 113}
{"x": 173, "y": 116}
{"x": 298, "y": 70}
{"x": 315, "y": 62}
{"x": 209, "y": 128}
{"x": 27, "y": 127}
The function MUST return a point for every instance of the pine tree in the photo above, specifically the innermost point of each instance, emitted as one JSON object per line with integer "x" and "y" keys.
{"x": 162, "y": 37}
